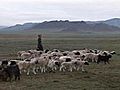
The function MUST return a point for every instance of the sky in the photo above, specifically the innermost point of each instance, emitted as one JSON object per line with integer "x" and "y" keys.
{"x": 23, "y": 11}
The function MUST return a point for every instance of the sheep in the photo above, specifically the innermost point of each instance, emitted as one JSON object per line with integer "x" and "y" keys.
{"x": 80, "y": 64}
{"x": 27, "y": 65}
{"x": 96, "y": 51}
{"x": 14, "y": 70}
{"x": 3, "y": 74}
{"x": 104, "y": 57}
{"x": 112, "y": 52}
{"x": 56, "y": 54}
{"x": 76, "y": 52}
{"x": 46, "y": 51}
{"x": 35, "y": 53}
{"x": 53, "y": 64}
{"x": 67, "y": 65}
{"x": 42, "y": 63}
{"x": 23, "y": 66}
{"x": 65, "y": 53}
{"x": 19, "y": 53}
{"x": 56, "y": 50}
{"x": 26, "y": 55}
{"x": 85, "y": 50}
{"x": 91, "y": 57}
{"x": 65, "y": 59}
{"x": 74, "y": 64}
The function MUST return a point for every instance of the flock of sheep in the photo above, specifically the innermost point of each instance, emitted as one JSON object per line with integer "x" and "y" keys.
{"x": 47, "y": 61}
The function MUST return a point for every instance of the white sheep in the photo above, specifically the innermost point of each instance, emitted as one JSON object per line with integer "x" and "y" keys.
{"x": 80, "y": 64}
{"x": 19, "y": 53}
{"x": 53, "y": 64}
{"x": 92, "y": 57}
{"x": 27, "y": 65}
{"x": 27, "y": 55}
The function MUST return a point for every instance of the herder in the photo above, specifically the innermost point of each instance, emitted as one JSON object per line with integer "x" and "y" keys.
{"x": 39, "y": 45}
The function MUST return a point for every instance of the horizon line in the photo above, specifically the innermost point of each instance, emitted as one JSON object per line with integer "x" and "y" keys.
{"x": 58, "y": 20}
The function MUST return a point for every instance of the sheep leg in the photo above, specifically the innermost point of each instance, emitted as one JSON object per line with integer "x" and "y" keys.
{"x": 61, "y": 68}
{"x": 44, "y": 70}
{"x": 34, "y": 70}
{"x": 70, "y": 69}
{"x": 82, "y": 69}
{"x": 37, "y": 69}
{"x": 54, "y": 68}
{"x": 41, "y": 70}
{"x": 78, "y": 68}
{"x": 28, "y": 72}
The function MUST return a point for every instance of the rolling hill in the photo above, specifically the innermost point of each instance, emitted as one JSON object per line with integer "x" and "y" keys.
{"x": 111, "y": 25}
{"x": 114, "y": 22}
{"x": 1, "y": 27}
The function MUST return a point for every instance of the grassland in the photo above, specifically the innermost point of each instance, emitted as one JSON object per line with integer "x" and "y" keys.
{"x": 98, "y": 77}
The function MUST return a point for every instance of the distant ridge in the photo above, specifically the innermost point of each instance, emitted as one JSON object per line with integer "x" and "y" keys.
{"x": 114, "y": 22}
{"x": 19, "y": 27}
{"x": 111, "y": 25}
{"x": 1, "y": 27}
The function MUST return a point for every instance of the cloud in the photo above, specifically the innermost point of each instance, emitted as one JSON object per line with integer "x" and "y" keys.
{"x": 19, "y": 11}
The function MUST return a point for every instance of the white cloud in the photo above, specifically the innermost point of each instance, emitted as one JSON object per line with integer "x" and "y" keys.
{"x": 19, "y": 11}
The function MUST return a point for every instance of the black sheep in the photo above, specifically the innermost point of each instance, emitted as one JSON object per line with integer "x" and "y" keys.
{"x": 10, "y": 71}
{"x": 105, "y": 58}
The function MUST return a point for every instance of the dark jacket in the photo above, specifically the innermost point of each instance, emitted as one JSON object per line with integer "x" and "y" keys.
{"x": 39, "y": 46}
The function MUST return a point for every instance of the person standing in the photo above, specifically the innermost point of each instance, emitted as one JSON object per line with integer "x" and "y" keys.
{"x": 39, "y": 45}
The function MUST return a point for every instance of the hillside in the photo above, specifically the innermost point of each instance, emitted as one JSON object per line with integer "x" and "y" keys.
{"x": 19, "y": 27}
{"x": 67, "y": 26}
{"x": 114, "y": 22}
{"x": 1, "y": 27}
{"x": 73, "y": 26}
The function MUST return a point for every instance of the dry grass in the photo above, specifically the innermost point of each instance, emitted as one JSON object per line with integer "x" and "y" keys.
{"x": 98, "y": 77}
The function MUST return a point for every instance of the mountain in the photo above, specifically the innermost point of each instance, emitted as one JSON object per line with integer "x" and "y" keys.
{"x": 19, "y": 27}
{"x": 1, "y": 27}
{"x": 67, "y": 26}
{"x": 74, "y": 26}
{"x": 97, "y": 27}
{"x": 114, "y": 22}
